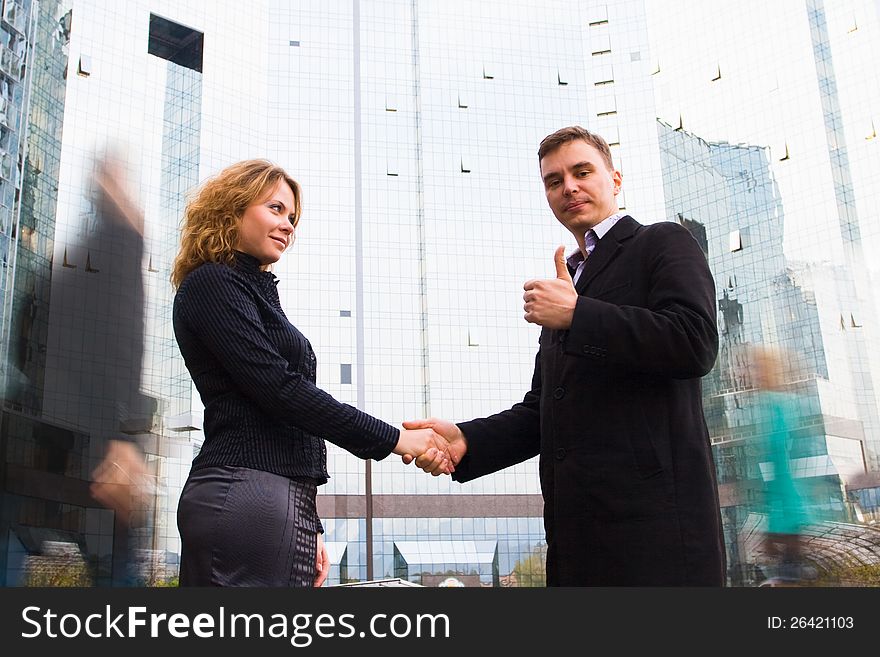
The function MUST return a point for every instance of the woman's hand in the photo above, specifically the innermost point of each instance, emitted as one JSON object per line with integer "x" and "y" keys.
{"x": 322, "y": 562}
{"x": 429, "y": 447}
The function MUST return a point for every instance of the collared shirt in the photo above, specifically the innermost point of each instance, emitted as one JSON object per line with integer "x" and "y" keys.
{"x": 577, "y": 260}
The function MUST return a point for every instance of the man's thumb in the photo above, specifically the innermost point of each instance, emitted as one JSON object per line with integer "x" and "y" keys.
{"x": 561, "y": 267}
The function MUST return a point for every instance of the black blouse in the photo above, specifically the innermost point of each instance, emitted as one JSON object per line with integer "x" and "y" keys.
{"x": 256, "y": 372}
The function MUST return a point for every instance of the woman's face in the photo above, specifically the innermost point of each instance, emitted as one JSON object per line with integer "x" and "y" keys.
{"x": 266, "y": 227}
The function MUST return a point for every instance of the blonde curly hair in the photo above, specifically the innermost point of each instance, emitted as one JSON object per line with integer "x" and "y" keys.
{"x": 209, "y": 230}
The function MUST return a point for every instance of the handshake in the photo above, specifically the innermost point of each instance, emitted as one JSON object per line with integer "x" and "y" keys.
{"x": 435, "y": 445}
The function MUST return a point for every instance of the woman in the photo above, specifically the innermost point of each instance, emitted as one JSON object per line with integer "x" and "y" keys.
{"x": 787, "y": 503}
{"x": 247, "y": 514}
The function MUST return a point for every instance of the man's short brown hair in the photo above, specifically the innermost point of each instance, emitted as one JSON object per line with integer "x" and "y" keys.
{"x": 572, "y": 133}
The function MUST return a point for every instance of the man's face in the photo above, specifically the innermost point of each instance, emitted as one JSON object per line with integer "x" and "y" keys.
{"x": 581, "y": 189}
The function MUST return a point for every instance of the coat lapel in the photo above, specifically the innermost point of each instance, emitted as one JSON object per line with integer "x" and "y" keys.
{"x": 606, "y": 250}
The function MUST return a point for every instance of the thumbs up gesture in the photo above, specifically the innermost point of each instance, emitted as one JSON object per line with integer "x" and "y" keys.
{"x": 550, "y": 302}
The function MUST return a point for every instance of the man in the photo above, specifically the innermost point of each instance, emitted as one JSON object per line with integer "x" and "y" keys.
{"x": 615, "y": 409}
{"x": 119, "y": 410}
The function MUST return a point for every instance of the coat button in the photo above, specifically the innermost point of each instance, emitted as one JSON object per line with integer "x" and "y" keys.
{"x": 559, "y": 393}
{"x": 560, "y": 453}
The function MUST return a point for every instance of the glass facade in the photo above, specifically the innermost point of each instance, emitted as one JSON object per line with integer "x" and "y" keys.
{"x": 413, "y": 127}
{"x": 725, "y": 194}
{"x": 17, "y": 45}
{"x": 769, "y": 155}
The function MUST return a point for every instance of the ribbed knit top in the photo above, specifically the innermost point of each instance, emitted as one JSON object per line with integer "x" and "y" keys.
{"x": 255, "y": 373}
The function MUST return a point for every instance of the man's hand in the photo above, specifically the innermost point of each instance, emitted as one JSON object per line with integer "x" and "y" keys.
{"x": 456, "y": 442}
{"x": 550, "y": 302}
{"x": 119, "y": 480}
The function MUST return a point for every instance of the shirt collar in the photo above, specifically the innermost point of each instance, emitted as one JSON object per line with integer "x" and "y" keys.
{"x": 601, "y": 229}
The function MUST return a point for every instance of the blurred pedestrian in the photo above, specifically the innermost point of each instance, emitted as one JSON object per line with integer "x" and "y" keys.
{"x": 785, "y": 505}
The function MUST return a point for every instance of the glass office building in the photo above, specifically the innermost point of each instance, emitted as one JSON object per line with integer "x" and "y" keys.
{"x": 413, "y": 127}
{"x": 726, "y": 195}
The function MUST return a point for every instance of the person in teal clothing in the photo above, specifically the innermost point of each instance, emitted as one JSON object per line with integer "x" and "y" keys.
{"x": 785, "y": 505}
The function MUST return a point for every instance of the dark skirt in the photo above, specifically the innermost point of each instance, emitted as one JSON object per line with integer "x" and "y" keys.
{"x": 243, "y": 527}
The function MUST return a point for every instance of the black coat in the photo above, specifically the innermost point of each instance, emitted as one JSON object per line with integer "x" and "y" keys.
{"x": 615, "y": 412}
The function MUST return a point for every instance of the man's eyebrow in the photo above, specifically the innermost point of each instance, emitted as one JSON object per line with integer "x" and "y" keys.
{"x": 580, "y": 165}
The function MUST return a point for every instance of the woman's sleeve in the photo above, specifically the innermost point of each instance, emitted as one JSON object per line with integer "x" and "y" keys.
{"x": 219, "y": 307}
